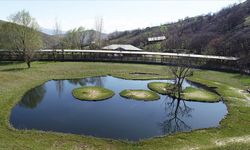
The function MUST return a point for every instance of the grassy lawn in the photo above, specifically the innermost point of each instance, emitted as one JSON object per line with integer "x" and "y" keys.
{"x": 15, "y": 80}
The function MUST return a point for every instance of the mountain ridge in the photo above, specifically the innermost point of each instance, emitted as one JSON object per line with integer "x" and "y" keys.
{"x": 226, "y": 32}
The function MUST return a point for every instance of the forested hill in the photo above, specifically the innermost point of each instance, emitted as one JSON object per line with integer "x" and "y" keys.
{"x": 224, "y": 33}
{"x": 47, "y": 39}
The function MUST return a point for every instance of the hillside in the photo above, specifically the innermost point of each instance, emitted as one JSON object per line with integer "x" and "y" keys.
{"x": 226, "y": 32}
{"x": 47, "y": 39}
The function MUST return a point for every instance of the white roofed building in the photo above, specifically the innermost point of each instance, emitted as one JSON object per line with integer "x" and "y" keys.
{"x": 121, "y": 47}
{"x": 155, "y": 39}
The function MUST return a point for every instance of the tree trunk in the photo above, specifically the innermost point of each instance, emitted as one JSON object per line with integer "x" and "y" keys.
{"x": 28, "y": 64}
{"x": 62, "y": 54}
{"x": 54, "y": 55}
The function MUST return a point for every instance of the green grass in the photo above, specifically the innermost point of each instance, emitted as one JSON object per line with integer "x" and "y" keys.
{"x": 161, "y": 87}
{"x": 15, "y": 80}
{"x": 201, "y": 95}
{"x": 92, "y": 93}
{"x": 145, "y": 95}
{"x": 190, "y": 93}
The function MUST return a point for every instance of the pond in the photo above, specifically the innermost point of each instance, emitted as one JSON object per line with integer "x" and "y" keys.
{"x": 51, "y": 107}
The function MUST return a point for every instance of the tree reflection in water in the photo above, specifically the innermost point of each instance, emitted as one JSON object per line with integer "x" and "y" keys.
{"x": 59, "y": 87}
{"x": 176, "y": 110}
{"x": 33, "y": 98}
{"x": 95, "y": 81}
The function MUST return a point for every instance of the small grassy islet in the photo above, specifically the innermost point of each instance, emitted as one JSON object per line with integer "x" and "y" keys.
{"x": 92, "y": 93}
{"x": 189, "y": 93}
{"x": 161, "y": 87}
{"x": 145, "y": 95}
{"x": 197, "y": 94}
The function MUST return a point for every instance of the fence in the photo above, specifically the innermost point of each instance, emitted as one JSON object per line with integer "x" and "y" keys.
{"x": 196, "y": 61}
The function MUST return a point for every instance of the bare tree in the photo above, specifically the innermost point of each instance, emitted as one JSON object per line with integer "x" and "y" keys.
{"x": 1, "y": 35}
{"x": 75, "y": 38}
{"x": 181, "y": 70}
{"x": 98, "y": 31}
{"x": 57, "y": 37}
{"x": 80, "y": 36}
{"x": 177, "y": 111}
{"x": 22, "y": 35}
{"x": 244, "y": 63}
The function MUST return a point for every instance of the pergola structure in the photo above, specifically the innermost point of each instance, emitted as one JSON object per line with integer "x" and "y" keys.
{"x": 195, "y": 60}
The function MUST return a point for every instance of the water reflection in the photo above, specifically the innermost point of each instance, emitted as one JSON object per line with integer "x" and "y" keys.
{"x": 176, "y": 110}
{"x": 59, "y": 87}
{"x": 32, "y": 99}
{"x": 95, "y": 81}
{"x": 51, "y": 107}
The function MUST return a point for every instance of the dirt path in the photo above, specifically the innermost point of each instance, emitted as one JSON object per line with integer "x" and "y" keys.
{"x": 243, "y": 93}
{"x": 241, "y": 139}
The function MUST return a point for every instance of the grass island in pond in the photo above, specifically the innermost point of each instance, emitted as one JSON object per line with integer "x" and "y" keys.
{"x": 16, "y": 81}
{"x": 196, "y": 94}
{"x": 145, "y": 95}
{"x": 92, "y": 93}
{"x": 116, "y": 117}
{"x": 161, "y": 87}
{"x": 189, "y": 93}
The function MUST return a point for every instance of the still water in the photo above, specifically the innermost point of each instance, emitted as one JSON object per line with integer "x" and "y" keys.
{"x": 51, "y": 107}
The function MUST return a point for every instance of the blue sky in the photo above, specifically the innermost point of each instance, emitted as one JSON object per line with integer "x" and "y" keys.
{"x": 117, "y": 14}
